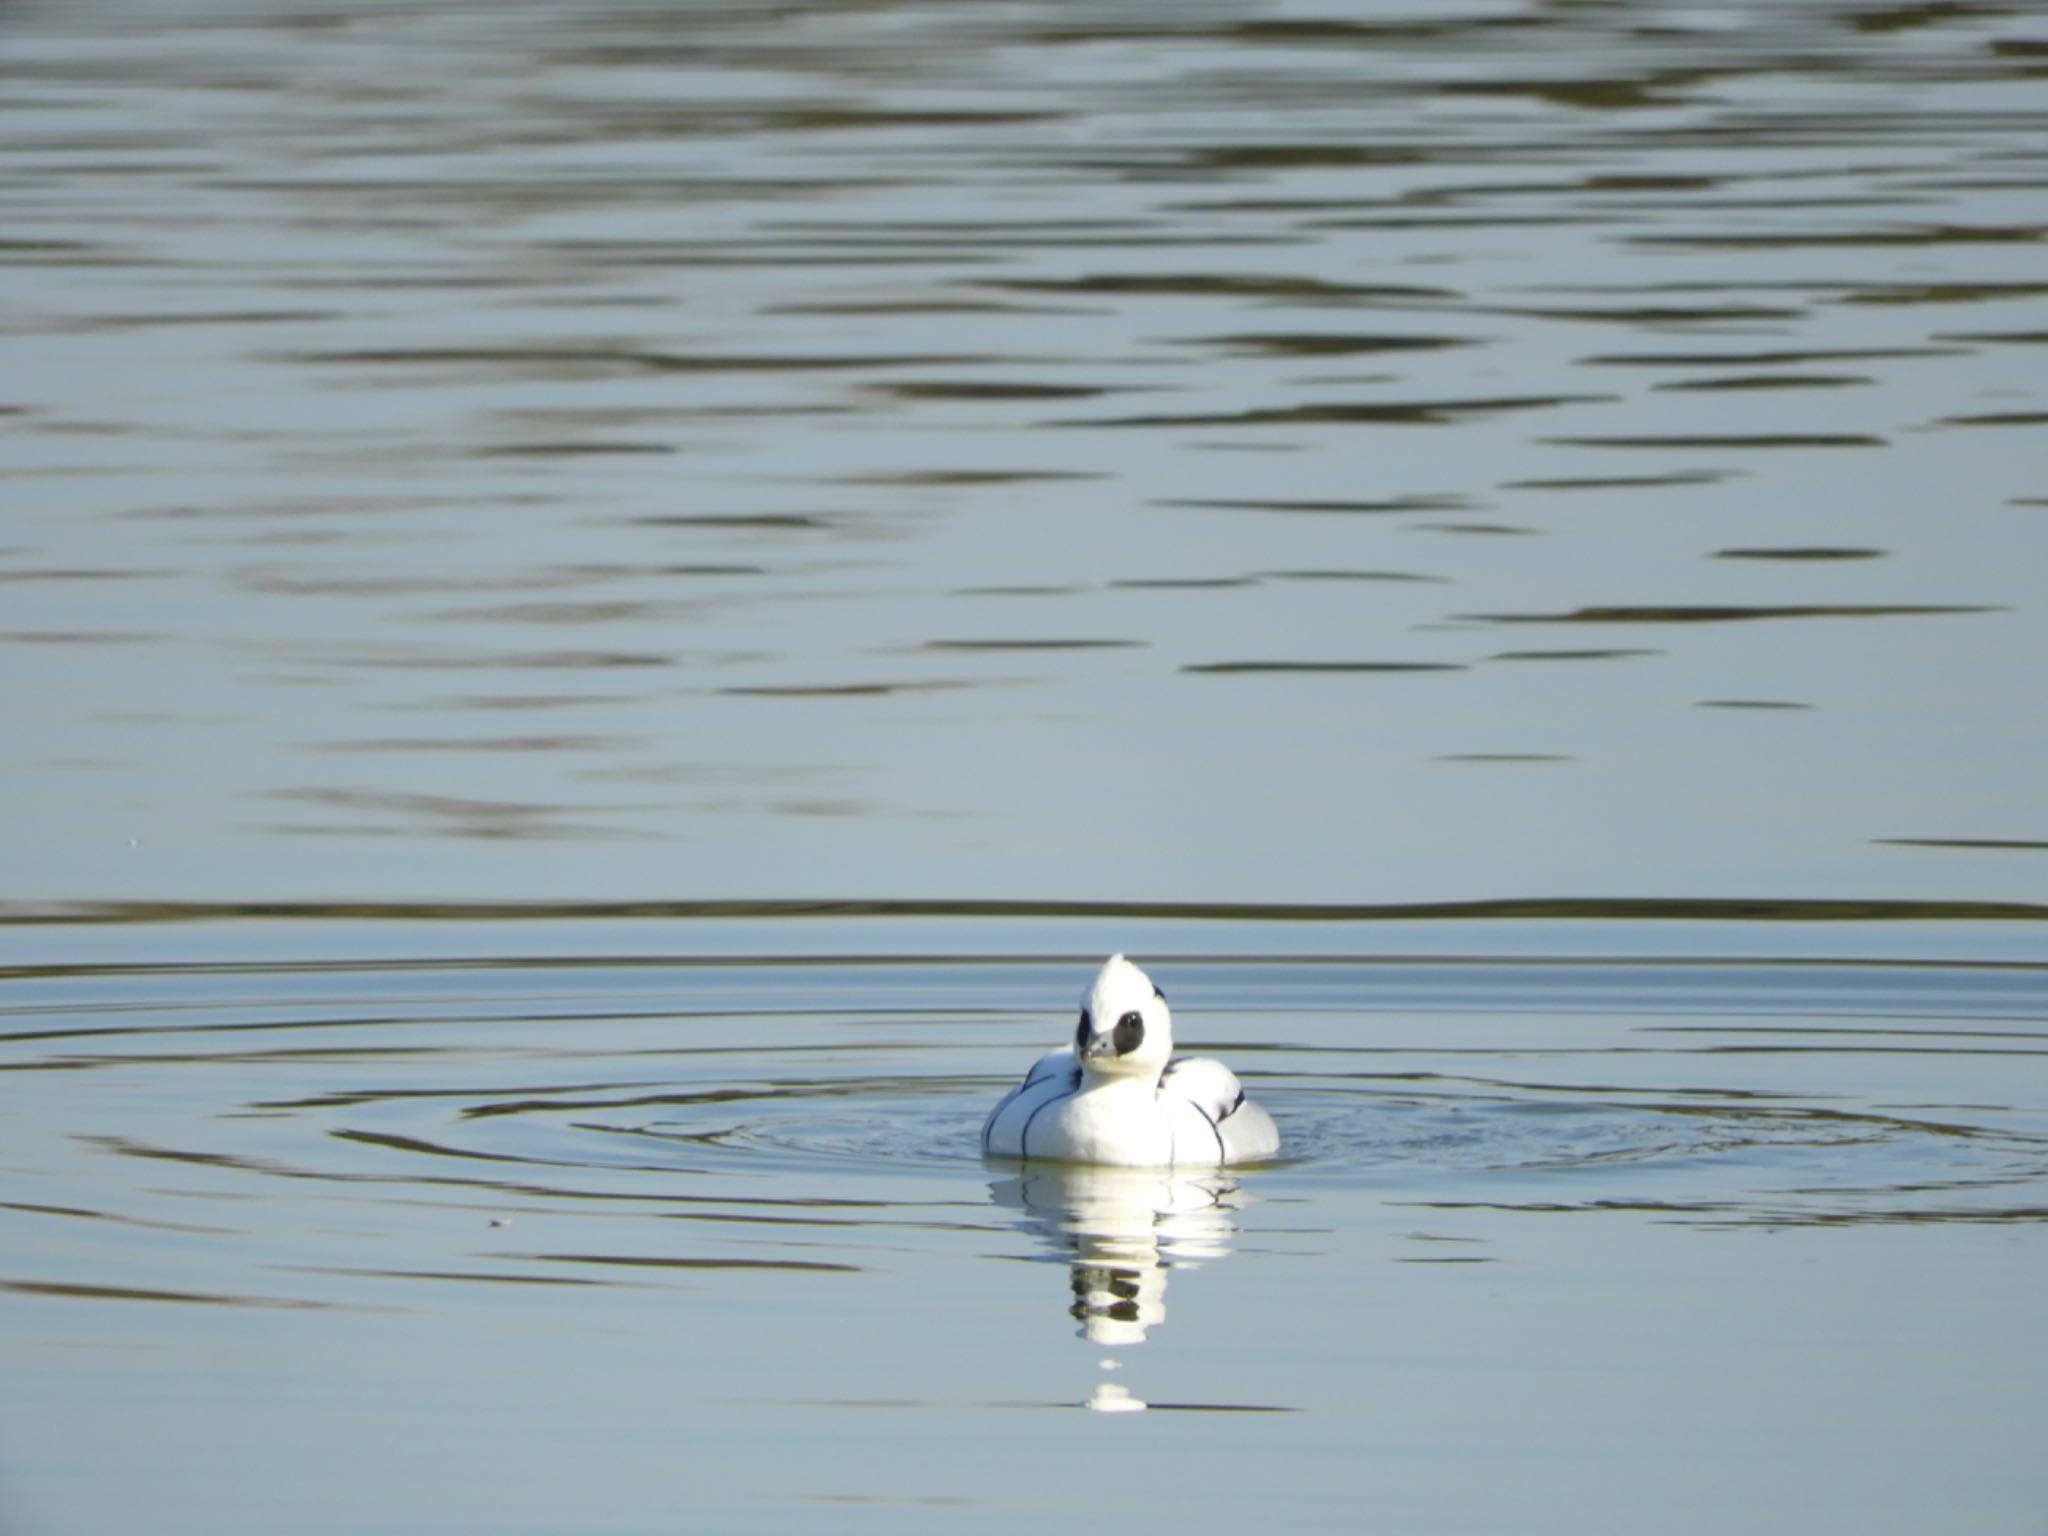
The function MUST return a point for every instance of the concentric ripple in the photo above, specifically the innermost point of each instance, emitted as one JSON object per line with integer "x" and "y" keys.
{"x": 1701, "y": 1090}
{"x": 1529, "y": 1108}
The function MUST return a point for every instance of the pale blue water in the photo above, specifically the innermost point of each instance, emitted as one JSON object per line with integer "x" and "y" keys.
{"x": 606, "y": 609}
{"x": 588, "y": 1225}
{"x": 597, "y": 452}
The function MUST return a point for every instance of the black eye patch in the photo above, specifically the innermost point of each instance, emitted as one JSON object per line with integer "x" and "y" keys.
{"x": 1129, "y": 1035}
{"x": 1081, "y": 1032}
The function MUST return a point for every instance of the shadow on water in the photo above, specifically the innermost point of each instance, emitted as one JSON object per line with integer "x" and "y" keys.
{"x": 26, "y": 914}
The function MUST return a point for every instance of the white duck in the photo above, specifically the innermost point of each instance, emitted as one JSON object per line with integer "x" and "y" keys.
{"x": 1118, "y": 1095}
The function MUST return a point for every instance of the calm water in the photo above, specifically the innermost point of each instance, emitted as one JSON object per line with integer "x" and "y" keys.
{"x": 1239, "y": 451}
{"x": 605, "y": 609}
{"x": 680, "y": 1225}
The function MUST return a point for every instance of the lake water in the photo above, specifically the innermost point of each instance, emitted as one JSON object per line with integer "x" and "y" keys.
{"x": 606, "y": 609}
{"x": 680, "y": 1224}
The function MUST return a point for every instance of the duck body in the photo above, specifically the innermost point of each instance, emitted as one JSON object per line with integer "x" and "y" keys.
{"x": 1118, "y": 1096}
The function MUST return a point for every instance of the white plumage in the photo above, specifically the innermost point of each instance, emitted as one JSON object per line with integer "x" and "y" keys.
{"x": 1117, "y": 1094}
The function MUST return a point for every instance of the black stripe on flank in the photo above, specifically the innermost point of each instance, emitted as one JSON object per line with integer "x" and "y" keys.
{"x": 1221, "y": 1150}
{"x": 1024, "y": 1136}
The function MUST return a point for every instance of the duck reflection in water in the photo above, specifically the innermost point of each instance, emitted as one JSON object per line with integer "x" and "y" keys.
{"x": 1120, "y": 1230}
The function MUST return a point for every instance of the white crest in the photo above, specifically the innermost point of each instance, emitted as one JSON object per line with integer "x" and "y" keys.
{"x": 1126, "y": 1029}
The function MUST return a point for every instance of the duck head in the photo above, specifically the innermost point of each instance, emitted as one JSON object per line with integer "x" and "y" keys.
{"x": 1125, "y": 1029}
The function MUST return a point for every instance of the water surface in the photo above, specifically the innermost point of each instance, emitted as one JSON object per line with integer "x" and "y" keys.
{"x": 605, "y": 609}
{"x": 1236, "y": 451}
{"x": 551, "y": 1224}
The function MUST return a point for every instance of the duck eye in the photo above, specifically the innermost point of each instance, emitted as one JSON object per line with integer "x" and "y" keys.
{"x": 1081, "y": 1032}
{"x": 1130, "y": 1034}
